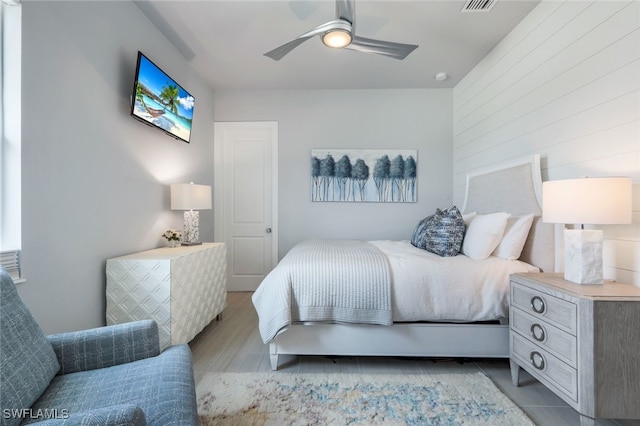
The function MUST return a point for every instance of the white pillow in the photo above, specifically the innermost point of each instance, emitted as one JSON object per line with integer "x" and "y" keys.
{"x": 514, "y": 238}
{"x": 468, "y": 217}
{"x": 484, "y": 234}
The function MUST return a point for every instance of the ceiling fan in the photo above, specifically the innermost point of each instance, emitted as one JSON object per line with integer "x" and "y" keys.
{"x": 341, "y": 33}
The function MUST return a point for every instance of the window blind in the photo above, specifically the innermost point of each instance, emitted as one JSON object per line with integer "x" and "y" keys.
{"x": 10, "y": 261}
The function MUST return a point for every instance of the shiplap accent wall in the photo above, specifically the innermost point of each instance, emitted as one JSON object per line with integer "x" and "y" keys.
{"x": 565, "y": 83}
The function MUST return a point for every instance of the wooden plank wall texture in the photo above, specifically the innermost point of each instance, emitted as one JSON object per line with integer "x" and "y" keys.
{"x": 565, "y": 83}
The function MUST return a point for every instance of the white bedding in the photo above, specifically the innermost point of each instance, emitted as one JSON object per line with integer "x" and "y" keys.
{"x": 427, "y": 287}
{"x": 325, "y": 281}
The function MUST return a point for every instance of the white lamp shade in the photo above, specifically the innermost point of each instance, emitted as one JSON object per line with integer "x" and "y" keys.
{"x": 188, "y": 196}
{"x": 596, "y": 201}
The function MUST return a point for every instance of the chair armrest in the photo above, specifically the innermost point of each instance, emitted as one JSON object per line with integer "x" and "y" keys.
{"x": 105, "y": 346}
{"x": 115, "y": 415}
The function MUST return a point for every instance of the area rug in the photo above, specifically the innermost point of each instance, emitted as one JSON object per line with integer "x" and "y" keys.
{"x": 354, "y": 399}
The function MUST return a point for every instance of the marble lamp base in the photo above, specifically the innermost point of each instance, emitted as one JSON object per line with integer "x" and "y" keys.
{"x": 191, "y": 228}
{"x": 583, "y": 256}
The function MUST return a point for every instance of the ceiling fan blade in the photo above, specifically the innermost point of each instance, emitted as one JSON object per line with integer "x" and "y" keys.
{"x": 279, "y": 52}
{"x": 385, "y": 48}
{"x": 346, "y": 10}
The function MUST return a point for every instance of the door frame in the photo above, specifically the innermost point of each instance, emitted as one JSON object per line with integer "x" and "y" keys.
{"x": 219, "y": 232}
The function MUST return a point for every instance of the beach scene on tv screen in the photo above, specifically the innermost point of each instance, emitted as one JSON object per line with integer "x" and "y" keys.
{"x": 162, "y": 102}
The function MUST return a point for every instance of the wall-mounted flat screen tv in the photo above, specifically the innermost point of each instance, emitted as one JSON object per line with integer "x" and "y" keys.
{"x": 161, "y": 102}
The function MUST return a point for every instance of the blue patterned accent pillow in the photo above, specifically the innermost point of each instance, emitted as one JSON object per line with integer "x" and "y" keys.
{"x": 441, "y": 233}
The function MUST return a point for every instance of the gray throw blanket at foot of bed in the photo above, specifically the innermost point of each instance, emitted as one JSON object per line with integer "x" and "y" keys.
{"x": 325, "y": 280}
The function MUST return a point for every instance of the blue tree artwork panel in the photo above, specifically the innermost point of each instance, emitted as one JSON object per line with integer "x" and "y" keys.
{"x": 370, "y": 175}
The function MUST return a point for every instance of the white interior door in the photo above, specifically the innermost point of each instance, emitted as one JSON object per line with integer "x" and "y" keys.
{"x": 245, "y": 199}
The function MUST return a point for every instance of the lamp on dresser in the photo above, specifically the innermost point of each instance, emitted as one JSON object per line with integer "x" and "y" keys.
{"x": 191, "y": 198}
{"x": 594, "y": 201}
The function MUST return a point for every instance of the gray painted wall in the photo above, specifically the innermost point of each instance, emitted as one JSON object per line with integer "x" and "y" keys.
{"x": 364, "y": 119}
{"x": 95, "y": 181}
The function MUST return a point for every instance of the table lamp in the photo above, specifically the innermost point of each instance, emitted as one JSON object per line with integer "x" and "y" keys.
{"x": 594, "y": 201}
{"x": 191, "y": 198}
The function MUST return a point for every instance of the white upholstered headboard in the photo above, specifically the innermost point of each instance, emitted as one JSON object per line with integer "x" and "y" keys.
{"x": 516, "y": 188}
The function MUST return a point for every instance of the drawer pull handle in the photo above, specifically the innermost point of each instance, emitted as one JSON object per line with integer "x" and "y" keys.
{"x": 537, "y": 304}
{"x": 538, "y": 333}
{"x": 537, "y": 360}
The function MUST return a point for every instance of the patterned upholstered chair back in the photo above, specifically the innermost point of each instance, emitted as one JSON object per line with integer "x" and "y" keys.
{"x": 27, "y": 360}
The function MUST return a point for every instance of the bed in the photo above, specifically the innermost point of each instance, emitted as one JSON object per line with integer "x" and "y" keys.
{"x": 389, "y": 325}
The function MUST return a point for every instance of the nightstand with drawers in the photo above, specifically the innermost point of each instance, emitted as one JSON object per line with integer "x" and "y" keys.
{"x": 580, "y": 341}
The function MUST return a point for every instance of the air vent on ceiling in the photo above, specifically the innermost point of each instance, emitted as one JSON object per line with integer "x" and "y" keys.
{"x": 478, "y": 5}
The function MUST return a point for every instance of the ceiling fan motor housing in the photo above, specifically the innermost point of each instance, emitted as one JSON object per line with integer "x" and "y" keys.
{"x": 339, "y": 35}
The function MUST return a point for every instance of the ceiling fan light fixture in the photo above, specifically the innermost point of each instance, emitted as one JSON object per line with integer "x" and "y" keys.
{"x": 337, "y": 38}
{"x": 340, "y": 33}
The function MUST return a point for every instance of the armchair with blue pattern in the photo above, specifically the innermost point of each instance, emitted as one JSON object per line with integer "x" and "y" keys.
{"x": 114, "y": 375}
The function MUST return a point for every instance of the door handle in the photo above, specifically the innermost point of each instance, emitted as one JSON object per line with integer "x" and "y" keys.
{"x": 268, "y": 230}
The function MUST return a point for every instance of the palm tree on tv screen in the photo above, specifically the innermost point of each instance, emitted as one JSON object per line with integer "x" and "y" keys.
{"x": 169, "y": 96}
{"x": 139, "y": 93}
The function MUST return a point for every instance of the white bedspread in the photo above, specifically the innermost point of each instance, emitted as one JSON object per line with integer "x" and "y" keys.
{"x": 427, "y": 287}
{"x": 378, "y": 282}
{"x": 325, "y": 280}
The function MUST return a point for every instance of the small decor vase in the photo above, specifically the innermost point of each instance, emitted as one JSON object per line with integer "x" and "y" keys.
{"x": 174, "y": 243}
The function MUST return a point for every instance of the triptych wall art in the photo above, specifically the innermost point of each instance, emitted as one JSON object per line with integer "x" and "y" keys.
{"x": 371, "y": 175}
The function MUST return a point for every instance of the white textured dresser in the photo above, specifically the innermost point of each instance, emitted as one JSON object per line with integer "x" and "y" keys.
{"x": 182, "y": 288}
{"x": 580, "y": 341}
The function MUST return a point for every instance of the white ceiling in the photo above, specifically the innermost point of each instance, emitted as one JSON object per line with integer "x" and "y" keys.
{"x": 225, "y": 41}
